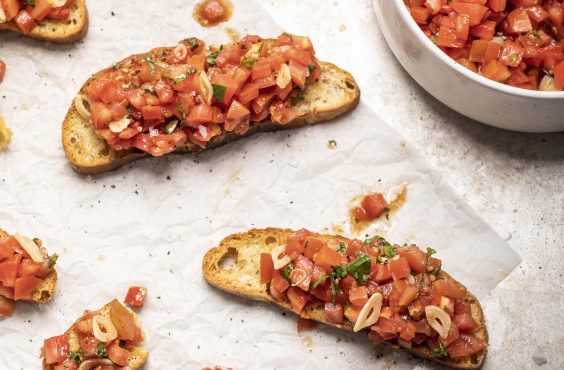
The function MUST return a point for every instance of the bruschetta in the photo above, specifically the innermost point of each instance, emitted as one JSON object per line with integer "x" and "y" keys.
{"x": 109, "y": 338}
{"x": 27, "y": 272}
{"x": 399, "y": 296}
{"x": 190, "y": 97}
{"x": 57, "y": 21}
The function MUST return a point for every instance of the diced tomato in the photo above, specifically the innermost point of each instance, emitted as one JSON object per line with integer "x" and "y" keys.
{"x": 305, "y": 324}
{"x": 358, "y": 296}
{"x": 449, "y": 288}
{"x": 302, "y": 279}
{"x": 30, "y": 268}
{"x": 8, "y": 246}
{"x": 298, "y": 73}
{"x": 518, "y": 21}
{"x": 408, "y": 333}
{"x": 462, "y": 27}
{"x": 236, "y": 115}
{"x": 298, "y": 299}
{"x": 117, "y": 354}
{"x": 496, "y": 71}
{"x": 382, "y": 272}
{"x": 230, "y": 85}
{"x": 152, "y": 112}
{"x": 248, "y": 93}
{"x": 266, "y": 267}
{"x": 6, "y": 291}
{"x": 296, "y": 243}
{"x": 465, "y": 346}
{"x": 323, "y": 292}
{"x": 475, "y": 12}
{"x": 447, "y": 38}
{"x": 452, "y": 336}
{"x": 434, "y": 5}
{"x": 135, "y": 296}
{"x": 7, "y": 306}
{"x": 298, "y": 55}
{"x": 11, "y": 8}
{"x": 420, "y": 14}
{"x": 312, "y": 246}
{"x": 408, "y": 295}
{"x": 461, "y": 306}
{"x": 326, "y": 258}
{"x": 497, "y": 5}
{"x": 24, "y": 287}
{"x": 200, "y": 113}
{"x": 416, "y": 258}
{"x": 399, "y": 268}
{"x": 56, "y": 349}
{"x": 334, "y": 313}
{"x": 374, "y": 205}
{"x": 537, "y": 13}
{"x": 423, "y": 327}
{"x": 559, "y": 75}
{"x": 59, "y": 14}
{"x": 511, "y": 54}
{"x": 279, "y": 283}
{"x": 465, "y": 322}
{"x": 261, "y": 69}
{"x": 41, "y": 9}
{"x": 25, "y": 22}
{"x": 9, "y": 270}
{"x": 484, "y": 30}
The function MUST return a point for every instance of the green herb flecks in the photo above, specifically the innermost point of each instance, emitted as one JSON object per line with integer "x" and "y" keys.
{"x": 75, "y": 356}
{"x": 210, "y": 59}
{"x": 248, "y": 62}
{"x": 387, "y": 249}
{"x": 359, "y": 268}
{"x": 434, "y": 39}
{"x": 219, "y": 92}
{"x": 193, "y": 43}
{"x": 116, "y": 65}
{"x": 171, "y": 126}
{"x": 311, "y": 67}
{"x": 342, "y": 248}
{"x": 439, "y": 350}
{"x": 29, "y": 3}
{"x": 101, "y": 350}
{"x": 331, "y": 144}
{"x": 436, "y": 271}
{"x": 53, "y": 260}
{"x": 431, "y": 251}
{"x": 151, "y": 64}
{"x": 286, "y": 272}
{"x": 319, "y": 280}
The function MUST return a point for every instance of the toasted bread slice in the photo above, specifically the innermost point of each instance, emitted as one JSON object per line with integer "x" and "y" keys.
{"x": 243, "y": 279}
{"x": 60, "y": 32}
{"x": 46, "y": 289}
{"x": 335, "y": 93}
{"x": 138, "y": 355}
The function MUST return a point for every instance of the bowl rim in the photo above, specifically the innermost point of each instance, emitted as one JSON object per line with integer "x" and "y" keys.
{"x": 476, "y": 77}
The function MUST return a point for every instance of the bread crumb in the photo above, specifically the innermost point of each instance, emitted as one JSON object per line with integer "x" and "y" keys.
{"x": 307, "y": 341}
{"x": 342, "y": 28}
{"x": 5, "y": 135}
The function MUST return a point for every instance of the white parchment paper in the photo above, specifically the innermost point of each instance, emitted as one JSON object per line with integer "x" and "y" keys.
{"x": 151, "y": 222}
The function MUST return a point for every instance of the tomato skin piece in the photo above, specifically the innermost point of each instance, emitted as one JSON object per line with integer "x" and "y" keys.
{"x": 135, "y": 296}
{"x": 334, "y": 313}
{"x": 266, "y": 267}
{"x": 298, "y": 299}
{"x": 56, "y": 349}
{"x": 24, "y": 287}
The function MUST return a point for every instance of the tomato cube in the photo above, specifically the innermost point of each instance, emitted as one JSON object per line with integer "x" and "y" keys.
{"x": 136, "y": 296}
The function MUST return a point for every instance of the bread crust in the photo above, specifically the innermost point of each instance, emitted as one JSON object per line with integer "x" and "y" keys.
{"x": 59, "y": 32}
{"x": 334, "y": 94}
{"x": 243, "y": 280}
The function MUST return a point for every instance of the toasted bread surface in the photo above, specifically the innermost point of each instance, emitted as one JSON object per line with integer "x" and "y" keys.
{"x": 242, "y": 278}
{"x": 46, "y": 289}
{"x": 137, "y": 357}
{"x": 60, "y": 32}
{"x": 335, "y": 93}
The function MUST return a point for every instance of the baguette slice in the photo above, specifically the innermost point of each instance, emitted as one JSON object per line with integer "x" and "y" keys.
{"x": 60, "y": 32}
{"x": 243, "y": 279}
{"x": 46, "y": 289}
{"x": 334, "y": 94}
{"x": 136, "y": 359}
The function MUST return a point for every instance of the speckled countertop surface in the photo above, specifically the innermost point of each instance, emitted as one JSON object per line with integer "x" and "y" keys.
{"x": 516, "y": 181}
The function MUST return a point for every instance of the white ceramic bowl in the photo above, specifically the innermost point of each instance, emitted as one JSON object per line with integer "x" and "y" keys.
{"x": 464, "y": 91}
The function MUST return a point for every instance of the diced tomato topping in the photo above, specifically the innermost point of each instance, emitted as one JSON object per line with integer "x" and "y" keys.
{"x": 399, "y": 268}
{"x": 312, "y": 246}
{"x": 465, "y": 346}
{"x": 25, "y": 22}
{"x": 334, "y": 313}
{"x": 135, "y": 296}
{"x": 11, "y": 8}
{"x": 559, "y": 75}
{"x": 326, "y": 258}
{"x": 465, "y": 322}
{"x": 56, "y": 349}
{"x": 117, "y": 354}
{"x": 9, "y": 270}
{"x": 298, "y": 299}
{"x": 266, "y": 267}
{"x": 25, "y": 286}
{"x": 449, "y": 288}
{"x": 7, "y": 306}
{"x": 358, "y": 296}
{"x": 279, "y": 283}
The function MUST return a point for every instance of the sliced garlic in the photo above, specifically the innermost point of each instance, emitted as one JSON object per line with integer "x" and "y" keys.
{"x": 103, "y": 328}
{"x": 79, "y": 103}
{"x": 120, "y": 125}
{"x": 30, "y": 247}
{"x": 95, "y": 363}
{"x": 277, "y": 261}
{"x": 284, "y": 77}
{"x": 206, "y": 89}
{"x": 57, "y": 3}
{"x": 2, "y": 15}
{"x": 439, "y": 320}
{"x": 180, "y": 52}
{"x": 547, "y": 84}
{"x": 254, "y": 52}
{"x": 370, "y": 312}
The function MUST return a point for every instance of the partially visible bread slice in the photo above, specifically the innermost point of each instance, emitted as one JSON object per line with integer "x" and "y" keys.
{"x": 61, "y": 32}
{"x": 334, "y": 94}
{"x": 243, "y": 279}
{"x": 138, "y": 355}
{"x": 46, "y": 289}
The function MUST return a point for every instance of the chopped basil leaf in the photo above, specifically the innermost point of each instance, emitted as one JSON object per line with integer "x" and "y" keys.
{"x": 210, "y": 59}
{"x": 359, "y": 268}
{"x": 286, "y": 272}
{"x": 181, "y": 111}
{"x": 75, "y": 356}
{"x": 311, "y": 67}
{"x": 37, "y": 242}
{"x": 193, "y": 43}
{"x": 431, "y": 251}
{"x": 319, "y": 280}
{"x": 342, "y": 248}
{"x": 332, "y": 144}
{"x": 439, "y": 350}
{"x": 171, "y": 126}
{"x": 29, "y": 2}
{"x": 436, "y": 271}
{"x": 151, "y": 64}
{"x": 339, "y": 271}
{"x": 434, "y": 38}
{"x": 219, "y": 92}
{"x": 334, "y": 288}
{"x": 535, "y": 33}
{"x": 389, "y": 250}
{"x": 248, "y": 62}
{"x": 101, "y": 350}
{"x": 53, "y": 260}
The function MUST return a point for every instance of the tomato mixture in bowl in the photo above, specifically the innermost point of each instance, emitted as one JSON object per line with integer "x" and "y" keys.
{"x": 515, "y": 42}
{"x": 23, "y": 266}
{"x": 27, "y": 13}
{"x": 399, "y": 293}
{"x": 161, "y": 100}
